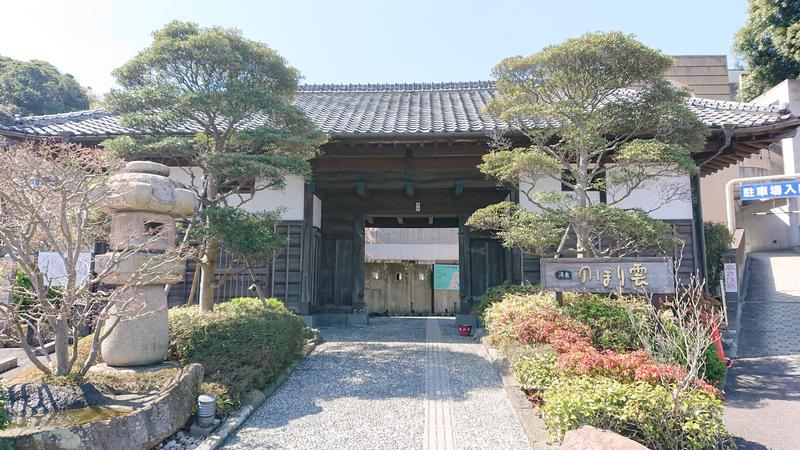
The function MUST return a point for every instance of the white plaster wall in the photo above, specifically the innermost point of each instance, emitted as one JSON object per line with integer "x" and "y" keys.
{"x": 545, "y": 184}
{"x": 317, "y": 219}
{"x": 290, "y": 199}
{"x": 644, "y": 197}
{"x": 650, "y": 197}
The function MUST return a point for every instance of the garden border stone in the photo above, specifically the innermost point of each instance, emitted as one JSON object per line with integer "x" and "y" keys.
{"x": 143, "y": 428}
{"x": 532, "y": 425}
{"x": 255, "y": 398}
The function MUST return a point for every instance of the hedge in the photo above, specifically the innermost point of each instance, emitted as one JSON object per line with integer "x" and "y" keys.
{"x": 242, "y": 345}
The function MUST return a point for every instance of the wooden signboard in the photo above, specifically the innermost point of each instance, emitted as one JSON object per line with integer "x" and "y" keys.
{"x": 646, "y": 275}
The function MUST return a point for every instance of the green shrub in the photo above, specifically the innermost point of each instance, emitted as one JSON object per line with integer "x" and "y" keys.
{"x": 641, "y": 411}
{"x": 496, "y": 293}
{"x": 714, "y": 369}
{"x": 608, "y": 318}
{"x": 242, "y": 344}
{"x": 501, "y": 317}
{"x": 536, "y": 372}
{"x": 718, "y": 241}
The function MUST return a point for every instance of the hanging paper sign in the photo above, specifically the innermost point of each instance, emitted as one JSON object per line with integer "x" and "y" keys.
{"x": 731, "y": 281}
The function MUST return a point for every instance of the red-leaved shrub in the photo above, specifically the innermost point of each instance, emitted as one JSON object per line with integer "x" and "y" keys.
{"x": 549, "y": 326}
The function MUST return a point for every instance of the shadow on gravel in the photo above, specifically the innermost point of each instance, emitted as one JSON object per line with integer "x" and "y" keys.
{"x": 380, "y": 361}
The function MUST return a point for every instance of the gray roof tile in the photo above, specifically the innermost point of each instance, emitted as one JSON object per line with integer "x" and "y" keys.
{"x": 386, "y": 109}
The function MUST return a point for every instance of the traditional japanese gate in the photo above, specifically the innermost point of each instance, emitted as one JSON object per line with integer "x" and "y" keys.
{"x": 413, "y": 185}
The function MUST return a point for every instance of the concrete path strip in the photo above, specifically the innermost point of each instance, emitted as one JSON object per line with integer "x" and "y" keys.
{"x": 438, "y": 420}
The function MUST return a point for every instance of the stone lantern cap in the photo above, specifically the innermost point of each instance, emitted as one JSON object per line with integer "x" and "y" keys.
{"x": 145, "y": 186}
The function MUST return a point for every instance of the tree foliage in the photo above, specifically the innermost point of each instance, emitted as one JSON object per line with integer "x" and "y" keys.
{"x": 238, "y": 94}
{"x": 595, "y": 113}
{"x": 37, "y": 87}
{"x": 770, "y": 45}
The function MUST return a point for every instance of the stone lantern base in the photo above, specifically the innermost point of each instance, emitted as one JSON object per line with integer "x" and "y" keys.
{"x": 144, "y": 340}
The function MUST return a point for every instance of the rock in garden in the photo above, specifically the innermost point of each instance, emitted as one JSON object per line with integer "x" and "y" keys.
{"x": 27, "y": 399}
{"x": 591, "y": 438}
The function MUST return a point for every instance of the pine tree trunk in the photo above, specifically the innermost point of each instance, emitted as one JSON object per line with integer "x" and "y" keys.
{"x": 209, "y": 269}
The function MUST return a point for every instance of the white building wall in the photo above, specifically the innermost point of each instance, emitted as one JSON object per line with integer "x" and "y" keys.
{"x": 289, "y": 200}
{"x": 652, "y": 197}
{"x": 412, "y": 244}
{"x": 645, "y": 197}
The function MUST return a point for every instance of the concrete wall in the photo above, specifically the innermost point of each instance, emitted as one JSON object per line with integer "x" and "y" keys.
{"x": 705, "y": 75}
{"x": 415, "y": 244}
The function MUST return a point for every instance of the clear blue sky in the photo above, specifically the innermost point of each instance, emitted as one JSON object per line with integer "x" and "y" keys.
{"x": 352, "y": 41}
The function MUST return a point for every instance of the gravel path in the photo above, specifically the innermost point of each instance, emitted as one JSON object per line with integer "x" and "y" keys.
{"x": 366, "y": 387}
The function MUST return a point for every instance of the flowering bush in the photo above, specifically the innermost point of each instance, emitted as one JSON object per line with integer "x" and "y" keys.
{"x": 501, "y": 317}
{"x": 536, "y": 372}
{"x": 548, "y": 325}
{"x": 642, "y": 411}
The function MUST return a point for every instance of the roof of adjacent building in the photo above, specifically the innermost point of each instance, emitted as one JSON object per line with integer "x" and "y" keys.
{"x": 403, "y": 109}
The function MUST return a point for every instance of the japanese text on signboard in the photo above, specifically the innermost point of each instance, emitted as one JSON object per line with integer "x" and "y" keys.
{"x": 765, "y": 191}
{"x": 637, "y": 274}
{"x": 628, "y": 275}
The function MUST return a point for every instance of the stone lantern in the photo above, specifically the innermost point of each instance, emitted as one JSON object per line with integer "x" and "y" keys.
{"x": 143, "y": 203}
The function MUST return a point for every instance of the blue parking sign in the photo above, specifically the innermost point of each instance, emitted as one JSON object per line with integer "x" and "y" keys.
{"x": 767, "y": 191}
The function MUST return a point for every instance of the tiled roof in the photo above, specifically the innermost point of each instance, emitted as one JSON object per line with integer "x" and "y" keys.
{"x": 386, "y": 109}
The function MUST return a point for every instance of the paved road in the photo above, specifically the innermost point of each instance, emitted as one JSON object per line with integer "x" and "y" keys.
{"x": 763, "y": 390}
{"x": 396, "y": 384}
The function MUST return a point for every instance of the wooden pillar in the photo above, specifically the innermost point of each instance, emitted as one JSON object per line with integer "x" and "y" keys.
{"x": 306, "y": 252}
{"x": 465, "y": 288}
{"x": 359, "y": 257}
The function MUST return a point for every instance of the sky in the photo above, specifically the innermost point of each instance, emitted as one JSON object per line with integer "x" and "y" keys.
{"x": 361, "y": 41}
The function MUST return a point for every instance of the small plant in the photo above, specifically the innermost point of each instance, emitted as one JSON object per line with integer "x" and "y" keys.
{"x": 642, "y": 411}
{"x": 608, "y": 318}
{"x": 714, "y": 370}
{"x": 497, "y": 293}
{"x": 536, "y": 372}
{"x": 718, "y": 241}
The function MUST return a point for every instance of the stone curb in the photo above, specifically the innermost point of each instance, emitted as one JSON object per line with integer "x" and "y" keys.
{"x": 254, "y": 399}
{"x": 532, "y": 425}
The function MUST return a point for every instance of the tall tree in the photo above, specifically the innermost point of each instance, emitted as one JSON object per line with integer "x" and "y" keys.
{"x": 594, "y": 113}
{"x": 37, "y": 87}
{"x": 770, "y": 45}
{"x": 237, "y": 93}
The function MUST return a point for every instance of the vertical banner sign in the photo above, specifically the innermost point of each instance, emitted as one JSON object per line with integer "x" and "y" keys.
{"x": 445, "y": 277}
{"x": 731, "y": 282}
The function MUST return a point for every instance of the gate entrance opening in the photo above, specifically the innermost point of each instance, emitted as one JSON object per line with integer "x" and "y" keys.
{"x": 415, "y": 187}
